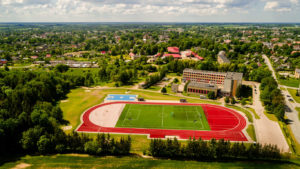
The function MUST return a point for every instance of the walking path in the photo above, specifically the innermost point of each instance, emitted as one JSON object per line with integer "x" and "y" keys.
{"x": 293, "y": 114}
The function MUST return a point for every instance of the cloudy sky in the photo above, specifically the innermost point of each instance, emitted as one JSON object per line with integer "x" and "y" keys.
{"x": 149, "y": 10}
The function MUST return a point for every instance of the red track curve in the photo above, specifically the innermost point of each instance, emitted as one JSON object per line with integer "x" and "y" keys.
{"x": 224, "y": 123}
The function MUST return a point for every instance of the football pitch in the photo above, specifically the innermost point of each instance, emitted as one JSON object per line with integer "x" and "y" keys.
{"x": 163, "y": 117}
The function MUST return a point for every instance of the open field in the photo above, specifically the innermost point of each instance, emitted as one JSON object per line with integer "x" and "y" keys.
{"x": 291, "y": 82}
{"x": 163, "y": 117}
{"x": 293, "y": 94}
{"x": 86, "y": 161}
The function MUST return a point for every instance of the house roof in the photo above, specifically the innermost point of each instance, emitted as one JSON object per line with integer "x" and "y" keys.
{"x": 173, "y": 55}
{"x": 173, "y": 49}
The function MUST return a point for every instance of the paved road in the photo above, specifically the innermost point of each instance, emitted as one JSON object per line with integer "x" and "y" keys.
{"x": 267, "y": 131}
{"x": 293, "y": 114}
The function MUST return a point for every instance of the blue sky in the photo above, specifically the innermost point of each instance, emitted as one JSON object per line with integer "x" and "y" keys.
{"x": 149, "y": 11}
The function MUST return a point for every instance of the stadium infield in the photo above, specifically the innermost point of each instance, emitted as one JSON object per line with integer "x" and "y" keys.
{"x": 163, "y": 117}
{"x": 224, "y": 123}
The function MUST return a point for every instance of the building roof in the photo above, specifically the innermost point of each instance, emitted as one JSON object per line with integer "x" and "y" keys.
{"x": 203, "y": 85}
{"x": 173, "y": 55}
{"x": 234, "y": 76}
{"x": 297, "y": 70}
{"x": 223, "y": 57}
{"x": 228, "y": 75}
{"x": 173, "y": 49}
{"x": 203, "y": 71}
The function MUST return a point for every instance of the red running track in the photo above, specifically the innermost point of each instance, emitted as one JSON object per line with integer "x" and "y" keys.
{"x": 224, "y": 123}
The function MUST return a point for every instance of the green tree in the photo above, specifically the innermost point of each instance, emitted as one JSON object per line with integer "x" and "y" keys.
{"x": 227, "y": 100}
{"x": 211, "y": 95}
{"x": 233, "y": 100}
{"x": 164, "y": 90}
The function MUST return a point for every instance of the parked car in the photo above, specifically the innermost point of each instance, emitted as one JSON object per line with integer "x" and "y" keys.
{"x": 291, "y": 100}
{"x": 288, "y": 96}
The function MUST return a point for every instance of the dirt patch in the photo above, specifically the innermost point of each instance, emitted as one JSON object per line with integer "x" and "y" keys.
{"x": 64, "y": 101}
{"x": 21, "y": 166}
{"x": 107, "y": 116}
{"x": 87, "y": 90}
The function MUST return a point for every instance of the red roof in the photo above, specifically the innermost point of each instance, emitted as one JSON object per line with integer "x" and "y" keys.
{"x": 48, "y": 56}
{"x": 103, "y": 52}
{"x": 157, "y": 55}
{"x": 173, "y": 49}
{"x": 131, "y": 54}
{"x": 34, "y": 57}
{"x": 173, "y": 55}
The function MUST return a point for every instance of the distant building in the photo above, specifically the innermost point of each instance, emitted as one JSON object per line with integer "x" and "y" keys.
{"x": 174, "y": 50}
{"x": 222, "y": 58}
{"x": 3, "y": 61}
{"x": 227, "y": 82}
{"x": 297, "y": 73}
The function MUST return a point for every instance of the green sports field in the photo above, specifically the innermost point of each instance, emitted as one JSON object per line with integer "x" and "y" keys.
{"x": 163, "y": 117}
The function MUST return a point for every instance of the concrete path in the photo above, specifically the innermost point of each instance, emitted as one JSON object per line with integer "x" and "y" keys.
{"x": 293, "y": 114}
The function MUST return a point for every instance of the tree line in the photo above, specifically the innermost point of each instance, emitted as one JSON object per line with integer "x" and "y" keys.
{"x": 213, "y": 150}
{"x": 272, "y": 97}
{"x": 30, "y": 117}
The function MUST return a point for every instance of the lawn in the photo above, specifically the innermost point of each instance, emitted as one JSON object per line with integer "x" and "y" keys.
{"x": 254, "y": 112}
{"x": 86, "y": 161}
{"x": 163, "y": 117}
{"x": 289, "y": 82}
{"x": 298, "y": 110}
{"x": 293, "y": 94}
{"x": 251, "y": 132}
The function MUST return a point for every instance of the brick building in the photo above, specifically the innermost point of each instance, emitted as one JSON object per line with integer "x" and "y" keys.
{"x": 226, "y": 82}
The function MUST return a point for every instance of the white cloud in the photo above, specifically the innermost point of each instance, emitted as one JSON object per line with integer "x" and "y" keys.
{"x": 129, "y": 10}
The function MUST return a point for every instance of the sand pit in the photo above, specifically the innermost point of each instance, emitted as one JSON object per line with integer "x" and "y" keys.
{"x": 107, "y": 116}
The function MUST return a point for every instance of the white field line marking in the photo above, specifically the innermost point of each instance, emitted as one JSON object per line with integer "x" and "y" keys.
{"x": 125, "y": 118}
{"x": 199, "y": 113}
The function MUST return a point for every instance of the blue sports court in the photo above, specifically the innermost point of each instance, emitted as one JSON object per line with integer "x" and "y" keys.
{"x": 121, "y": 97}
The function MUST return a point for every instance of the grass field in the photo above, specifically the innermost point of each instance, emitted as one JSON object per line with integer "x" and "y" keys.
{"x": 85, "y": 161}
{"x": 289, "y": 82}
{"x": 163, "y": 117}
{"x": 298, "y": 110}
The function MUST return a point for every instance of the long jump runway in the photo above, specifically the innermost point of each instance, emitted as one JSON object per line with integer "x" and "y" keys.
{"x": 224, "y": 124}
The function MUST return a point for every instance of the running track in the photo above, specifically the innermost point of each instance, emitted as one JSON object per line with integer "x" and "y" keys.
{"x": 224, "y": 123}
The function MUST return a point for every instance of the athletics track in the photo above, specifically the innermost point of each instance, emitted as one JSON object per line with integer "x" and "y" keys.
{"x": 224, "y": 123}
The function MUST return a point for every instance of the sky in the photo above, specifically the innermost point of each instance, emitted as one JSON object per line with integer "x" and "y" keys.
{"x": 149, "y": 10}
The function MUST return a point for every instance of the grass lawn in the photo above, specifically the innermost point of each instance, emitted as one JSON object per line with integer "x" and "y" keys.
{"x": 251, "y": 132}
{"x": 298, "y": 109}
{"x": 293, "y": 94}
{"x": 163, "y": 117}
{"x": 289, "y": 82}
{"x": 132, "y": 162}
{"x": 271, "y": 116}
{"x": 246, "y": 112}
{"x": 254, "y": 112}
